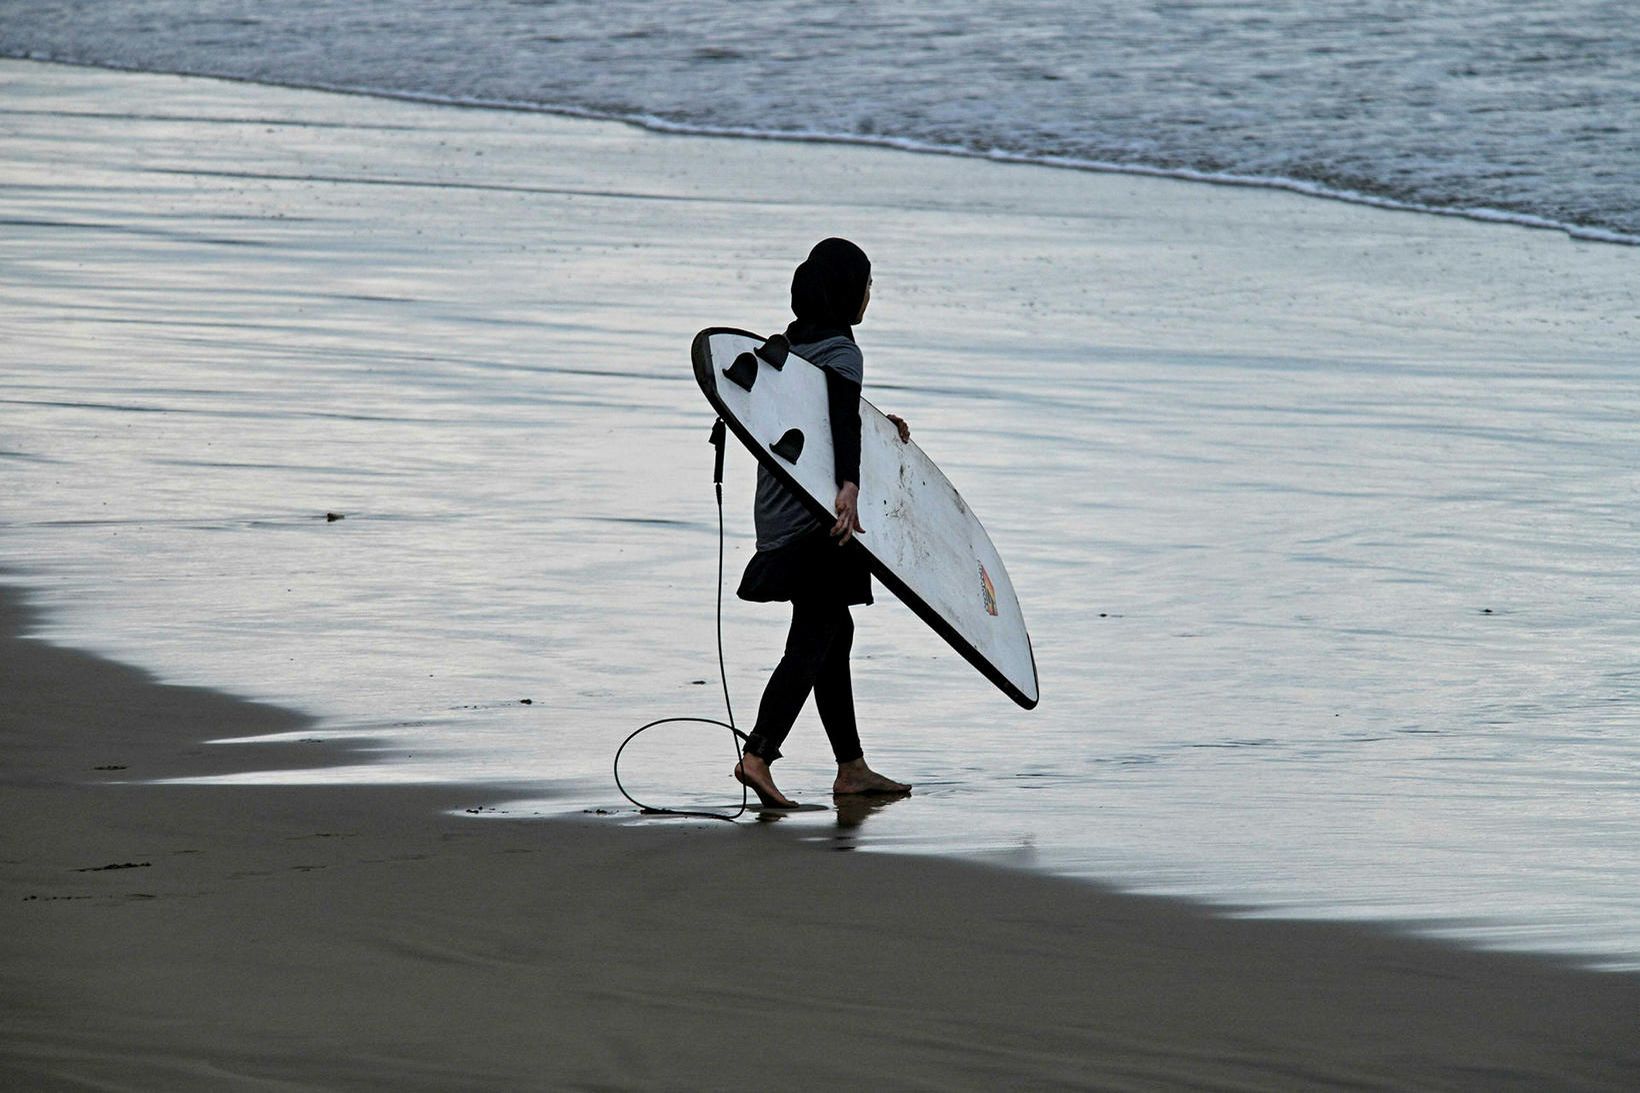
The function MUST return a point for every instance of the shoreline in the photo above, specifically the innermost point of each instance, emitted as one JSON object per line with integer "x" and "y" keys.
{"x": 654, "y": 124}
{"x": 165, "y": 936}
{"x": 1146, "y": 229}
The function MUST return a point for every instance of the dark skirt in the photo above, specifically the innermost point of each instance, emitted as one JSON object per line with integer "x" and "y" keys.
{"x": 813, "y": 567}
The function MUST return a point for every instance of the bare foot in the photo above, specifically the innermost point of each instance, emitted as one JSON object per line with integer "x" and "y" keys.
{"x": 856, "y": 777}
{"x": 754, "y": 773}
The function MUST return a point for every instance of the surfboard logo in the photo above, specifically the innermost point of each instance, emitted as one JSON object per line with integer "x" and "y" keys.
{"x": 989, "y": 589}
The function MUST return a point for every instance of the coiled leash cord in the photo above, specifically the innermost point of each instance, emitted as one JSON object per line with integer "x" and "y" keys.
{"x": 739, "y": 738}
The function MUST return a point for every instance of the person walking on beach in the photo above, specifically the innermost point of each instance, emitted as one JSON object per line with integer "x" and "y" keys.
{"x": 817, "y": 568}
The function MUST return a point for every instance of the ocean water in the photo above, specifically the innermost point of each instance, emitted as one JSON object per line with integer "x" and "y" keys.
{"x": 1324, "y": 518}
{"x": 1492, "y": 108}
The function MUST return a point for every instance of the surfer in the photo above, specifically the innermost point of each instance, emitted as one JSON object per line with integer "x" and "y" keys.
{"x": 817, "y": 568}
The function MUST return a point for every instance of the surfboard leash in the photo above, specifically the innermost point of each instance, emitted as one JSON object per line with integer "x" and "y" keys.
{"x": 719, "y": 434}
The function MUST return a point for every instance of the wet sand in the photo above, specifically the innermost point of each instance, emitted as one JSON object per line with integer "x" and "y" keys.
{"x": 302, "y": 937}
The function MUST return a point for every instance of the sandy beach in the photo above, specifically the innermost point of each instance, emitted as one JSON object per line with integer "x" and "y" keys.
{"x": 300, "y": 937}
{"x": 337, "y": 281}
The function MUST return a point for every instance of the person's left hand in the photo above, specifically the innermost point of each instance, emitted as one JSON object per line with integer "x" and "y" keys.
{"x": 899, "y": 423}
{"x": 848, "y": 514}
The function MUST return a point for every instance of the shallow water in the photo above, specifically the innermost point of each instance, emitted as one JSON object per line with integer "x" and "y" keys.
{"x": 1493, "y": 107}
{"x": 1324, "y": 519}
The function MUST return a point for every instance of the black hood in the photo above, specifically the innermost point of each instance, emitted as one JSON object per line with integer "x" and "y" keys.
{"x": 827, "y": 291}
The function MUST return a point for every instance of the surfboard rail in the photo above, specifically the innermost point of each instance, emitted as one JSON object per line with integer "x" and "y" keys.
{"x": 706, "y": 375}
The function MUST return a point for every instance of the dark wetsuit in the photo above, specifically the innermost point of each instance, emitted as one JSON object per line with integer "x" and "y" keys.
{"x": 798, "y": 560}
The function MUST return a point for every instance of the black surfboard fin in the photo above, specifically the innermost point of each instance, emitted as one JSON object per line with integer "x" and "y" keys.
{"x": 743, "y": 372}
{"x": 790, "y": 446}
{"x": 774, "y": 351}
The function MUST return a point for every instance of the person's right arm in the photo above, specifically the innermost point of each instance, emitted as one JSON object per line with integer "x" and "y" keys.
{"x": 843, "y": 403}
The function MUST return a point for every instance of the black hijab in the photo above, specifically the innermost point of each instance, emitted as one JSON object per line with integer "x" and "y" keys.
{"x": 827, "y": 291}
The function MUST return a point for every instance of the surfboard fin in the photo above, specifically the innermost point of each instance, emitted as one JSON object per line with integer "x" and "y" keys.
{"x": 743, "y": 372}
{"x": 774, "y": 351}
{"x": 790, "y": 446}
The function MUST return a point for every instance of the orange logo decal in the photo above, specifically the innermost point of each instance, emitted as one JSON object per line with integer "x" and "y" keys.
{"x": 989, "y": 589}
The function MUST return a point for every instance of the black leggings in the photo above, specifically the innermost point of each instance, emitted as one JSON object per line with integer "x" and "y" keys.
{"x": 816, "y": 659}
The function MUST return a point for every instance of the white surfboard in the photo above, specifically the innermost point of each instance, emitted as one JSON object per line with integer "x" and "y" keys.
{"x": 925, "y": 544}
